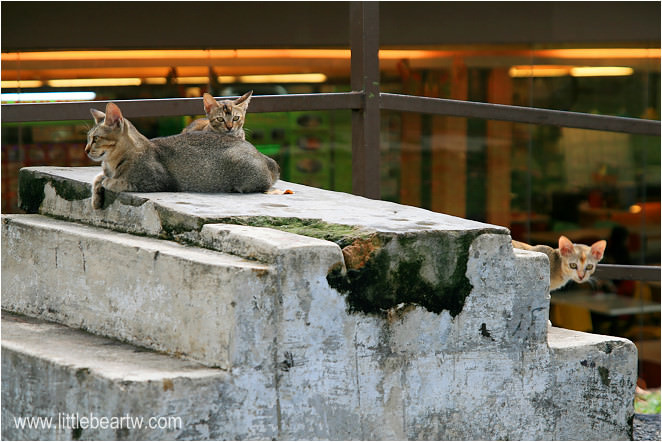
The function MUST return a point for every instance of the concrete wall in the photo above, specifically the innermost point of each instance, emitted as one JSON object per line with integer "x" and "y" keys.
{"x": 302, "y": 346}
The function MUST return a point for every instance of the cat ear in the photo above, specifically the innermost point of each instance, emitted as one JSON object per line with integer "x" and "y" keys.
{"x": 209, "y": 102}
{"x": 97, "y": 115}
{"x": 244, "y": 100}
{"x": 598, "y": 249}
{"x": 565, "y": 246}
{"x": 113, "y": 115}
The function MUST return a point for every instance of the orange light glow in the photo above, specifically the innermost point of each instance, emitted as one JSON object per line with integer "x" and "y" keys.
{"x": 539, "y": 71}
{"x": 389, "y": 54}
{"x": 283, "y": 78}
{"x": 601, "y": 71}
{"x": 600, "y": 53}
{"x": 16, "y": 84}
{"x": 94, "y": 82}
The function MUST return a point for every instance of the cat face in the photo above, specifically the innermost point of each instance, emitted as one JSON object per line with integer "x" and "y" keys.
{"x": 578, "y": 261}
{"x": 227, "y": 116}
{"x": 102, "y": 138}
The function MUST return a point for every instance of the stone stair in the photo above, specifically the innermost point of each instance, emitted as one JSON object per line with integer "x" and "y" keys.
{"x": 316, "y": 315}
{"x": 53, "y": 371}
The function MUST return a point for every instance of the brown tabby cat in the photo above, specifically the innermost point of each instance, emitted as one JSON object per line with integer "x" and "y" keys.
{"x": 190, "y": 162}
{"x": 570, "y": 261}
{"x": 226, "y": 116}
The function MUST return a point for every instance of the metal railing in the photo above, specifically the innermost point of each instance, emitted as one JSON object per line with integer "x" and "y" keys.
{"x": 365, "y": 102}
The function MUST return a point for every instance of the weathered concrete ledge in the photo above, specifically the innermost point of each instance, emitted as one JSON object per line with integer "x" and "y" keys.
{"x": 393, "y": 253}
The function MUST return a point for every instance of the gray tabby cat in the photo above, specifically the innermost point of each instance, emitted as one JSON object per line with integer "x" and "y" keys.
{"x": 191, "y": 162}
{"x": 226, "y": 116}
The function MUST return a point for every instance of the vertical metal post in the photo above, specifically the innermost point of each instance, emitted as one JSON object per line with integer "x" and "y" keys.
{"x": 364, "y": 43}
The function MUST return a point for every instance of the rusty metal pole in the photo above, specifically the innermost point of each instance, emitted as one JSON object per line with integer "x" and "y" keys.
{"x": 364, "y": 42}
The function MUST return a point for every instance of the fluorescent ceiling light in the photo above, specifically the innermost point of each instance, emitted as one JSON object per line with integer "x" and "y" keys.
{"x": 94, "y": 82}
{"x": 15, "y": 84}
{"x": 214, "y": 54}
{"x": 192, "y": 80}
{"x": 601, "y": 71}
{"x": 205, "y": 80}
{"x": 154, "y": 80}
{"x": 575, "y": 71}
{"x": 189, "y": 80}
{"x": 600, "y": 53}
{"x": 227, "y": 79}
{"x": 283, "y": 78}
{"x": 539, "y": 71}
{"x": 47, "y": 96}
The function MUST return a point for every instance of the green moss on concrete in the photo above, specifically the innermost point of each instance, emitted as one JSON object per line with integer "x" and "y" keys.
{"x": 426, "y": 268}
{"x": 175, "y": 224}
{"x": 484, "y": 331}
{"x": 395, "y": 274}
{"x": 71, "y": 190}
{"x": 343, "y": 235}
{"x": 604, "y": 376}
{"x": 30, "y": 190}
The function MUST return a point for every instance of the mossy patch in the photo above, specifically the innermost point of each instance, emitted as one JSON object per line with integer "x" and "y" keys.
{"x": 30, "y": 190}
{"x": 76, "y": 433}
{"x": 604, "y": 376}
{"x": 176, "y": 224}
{"x": 484, "y": 331}
{"x": 341, "y": 234}
{"x": 71, "y": 190}
{"x": 424, "y": 269}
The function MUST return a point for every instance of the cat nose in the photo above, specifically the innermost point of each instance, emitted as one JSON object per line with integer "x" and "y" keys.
{"x": 87, "y": 148}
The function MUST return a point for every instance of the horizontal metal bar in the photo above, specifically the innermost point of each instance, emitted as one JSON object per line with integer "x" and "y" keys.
{"x": 623, "y": 272}
{"x": 518, "y": 114}
{"x": 26, "y": 112}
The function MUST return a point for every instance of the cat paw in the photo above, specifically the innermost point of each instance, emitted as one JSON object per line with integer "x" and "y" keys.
{"x": 97, "y": 198}
{"x": 279, "y": 192}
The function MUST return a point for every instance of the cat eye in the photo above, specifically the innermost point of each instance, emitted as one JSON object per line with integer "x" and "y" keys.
{"x": 573, "y": 265}
{"x": 95, "y": 138}
{"x": 236, "y": 118}
{"x": 589, "y": 267}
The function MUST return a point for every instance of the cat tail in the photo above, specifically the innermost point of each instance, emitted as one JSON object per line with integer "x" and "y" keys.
{"x": 521, "y": 245}
{"x": 196, "y": 125}
{"x": 274, "y": 169}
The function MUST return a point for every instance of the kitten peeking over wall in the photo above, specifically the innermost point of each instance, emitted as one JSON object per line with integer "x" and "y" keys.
{"x": 570, "y": 261}
{"x": 225, "y": 116}
{"x": 191, "y": 162}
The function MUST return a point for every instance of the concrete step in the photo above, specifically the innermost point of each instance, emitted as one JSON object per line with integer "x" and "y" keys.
{"x": 173, "y": 298}
{"x": 93, "y": 388}
{"x": 602, "y": 368}
{"x": 416, "y": 255}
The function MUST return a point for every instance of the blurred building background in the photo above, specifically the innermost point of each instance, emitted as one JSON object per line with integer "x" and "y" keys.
{"x": 540, "y": 181}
